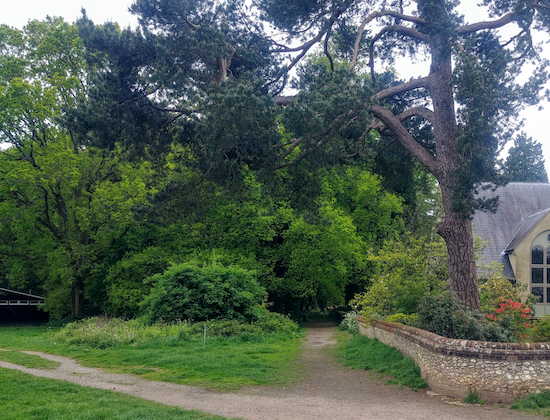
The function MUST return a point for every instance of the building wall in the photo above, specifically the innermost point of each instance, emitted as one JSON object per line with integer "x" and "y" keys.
{"x": 521, "y": 261}
{"x": 499, "y": 372}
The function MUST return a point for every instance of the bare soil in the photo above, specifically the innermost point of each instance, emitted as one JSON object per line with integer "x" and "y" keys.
{"x": 328, "y": 391}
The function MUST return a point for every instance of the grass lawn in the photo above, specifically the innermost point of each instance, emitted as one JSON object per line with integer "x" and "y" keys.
{"x": 27, "y": 360}
{"x": 360, "y": 352}
{"x": 226, "y": 362}
{"x": 23, "y": 396}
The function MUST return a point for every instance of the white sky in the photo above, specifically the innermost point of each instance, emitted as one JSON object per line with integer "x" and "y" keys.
{"x": 17, "y": 13}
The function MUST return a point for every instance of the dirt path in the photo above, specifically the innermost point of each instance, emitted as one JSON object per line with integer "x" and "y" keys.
{"x": 328, "y": 392}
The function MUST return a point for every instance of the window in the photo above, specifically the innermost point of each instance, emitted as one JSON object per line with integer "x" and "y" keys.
{"x": 540, "y": 267}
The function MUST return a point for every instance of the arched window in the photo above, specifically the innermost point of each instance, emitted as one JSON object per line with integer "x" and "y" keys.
{"x": 540, "y": 267}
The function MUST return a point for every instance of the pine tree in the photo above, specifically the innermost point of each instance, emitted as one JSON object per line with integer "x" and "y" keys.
{"x": 525, "y": 162}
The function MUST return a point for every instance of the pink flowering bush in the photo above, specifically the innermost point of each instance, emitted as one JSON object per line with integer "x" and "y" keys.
{"x": 515, "y": 316}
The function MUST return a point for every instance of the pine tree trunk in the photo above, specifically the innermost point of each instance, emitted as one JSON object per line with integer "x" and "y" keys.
{"x": 456, "y": 229}
{"x": 457, "y": 232}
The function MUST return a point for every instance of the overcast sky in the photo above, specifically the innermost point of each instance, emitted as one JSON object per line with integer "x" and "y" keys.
{"x": 17, "y": 13}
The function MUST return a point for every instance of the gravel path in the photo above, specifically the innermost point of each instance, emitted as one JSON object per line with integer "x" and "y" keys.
{"x": 328, "y": 392}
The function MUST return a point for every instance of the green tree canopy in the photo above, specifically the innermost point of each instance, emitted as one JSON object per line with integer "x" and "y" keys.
{"x": 61, "y": 205}
{"x": 525, "y": 162}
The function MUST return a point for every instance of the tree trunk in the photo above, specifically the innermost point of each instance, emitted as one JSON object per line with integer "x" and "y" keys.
{"x": 77, "y": 299}
{"x": 457, "y": 232}
{"x": 456, "y": 229}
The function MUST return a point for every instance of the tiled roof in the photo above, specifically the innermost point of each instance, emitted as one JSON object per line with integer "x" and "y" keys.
{"x": 527, "y": 226}
{"x": 521, "y": 207}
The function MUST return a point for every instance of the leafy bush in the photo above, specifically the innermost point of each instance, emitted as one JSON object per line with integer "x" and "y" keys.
{"x": 266, "y": 323}
{"x": 349, "y": 323}
{"x": 495, "y": 289}
{"x": 189, "y": 292}
{"x": 541, "y": 332}
{"x": 445, "y": 315}
{"x": 125, "y": 281}
{"x": 406, "y": 271}
{"x": 411, "y": 320}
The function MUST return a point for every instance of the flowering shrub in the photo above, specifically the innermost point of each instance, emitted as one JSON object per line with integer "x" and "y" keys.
{"x": 445, "y": 315}
{"x": 349, "y": 323}
{"x": 515, "y": 316}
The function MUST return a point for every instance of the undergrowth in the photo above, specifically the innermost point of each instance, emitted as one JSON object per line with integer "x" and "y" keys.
{"x": 102, "y": 333}
{"x": 360, "y": 352}
{"x": 535, "y": 404}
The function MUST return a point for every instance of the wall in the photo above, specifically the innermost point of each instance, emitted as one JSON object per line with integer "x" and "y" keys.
{"x": 521, "y": 262}
{"x": 499, "y": 372}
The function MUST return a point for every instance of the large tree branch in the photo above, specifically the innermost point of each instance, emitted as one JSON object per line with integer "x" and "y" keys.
{"x": 404, "y": 137}
{"x": 480, "y": 26}
{"x": 421, "y": 82}
{"x": 369, "y": 19}
{"x": 293, "y": 145}
{"x": 419, "y": 111}
{"x": 302, "y": 155}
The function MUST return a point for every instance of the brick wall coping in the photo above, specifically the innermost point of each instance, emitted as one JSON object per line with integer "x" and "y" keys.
{"x": 464, "y": 348}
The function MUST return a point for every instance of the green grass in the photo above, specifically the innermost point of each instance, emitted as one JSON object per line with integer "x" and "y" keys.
{"x": 23, "y": 396}
{"x": 226, "y": 362}
{"x": 360, "y": 352}
{"x": 27, "y": 360}
{"x": 538, "y": 404}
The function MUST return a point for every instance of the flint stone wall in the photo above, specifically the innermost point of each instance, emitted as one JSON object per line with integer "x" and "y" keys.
{"x": 499, "y": 372}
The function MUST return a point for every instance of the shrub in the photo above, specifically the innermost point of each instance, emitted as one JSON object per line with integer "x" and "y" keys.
{"x": 349, "y": 323}
{"x": 189, "y": 292}
{"x": 125, "y": 281}
{"x": 272, "y": 322}
{"x": 541, "y": 332}
{"x": 406, "y": 271}
{"x": 514, "y": 316}
{"x": 445, "y": 315}
{"x": 266, "y": 323}
{"x": 411, "y": 320}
